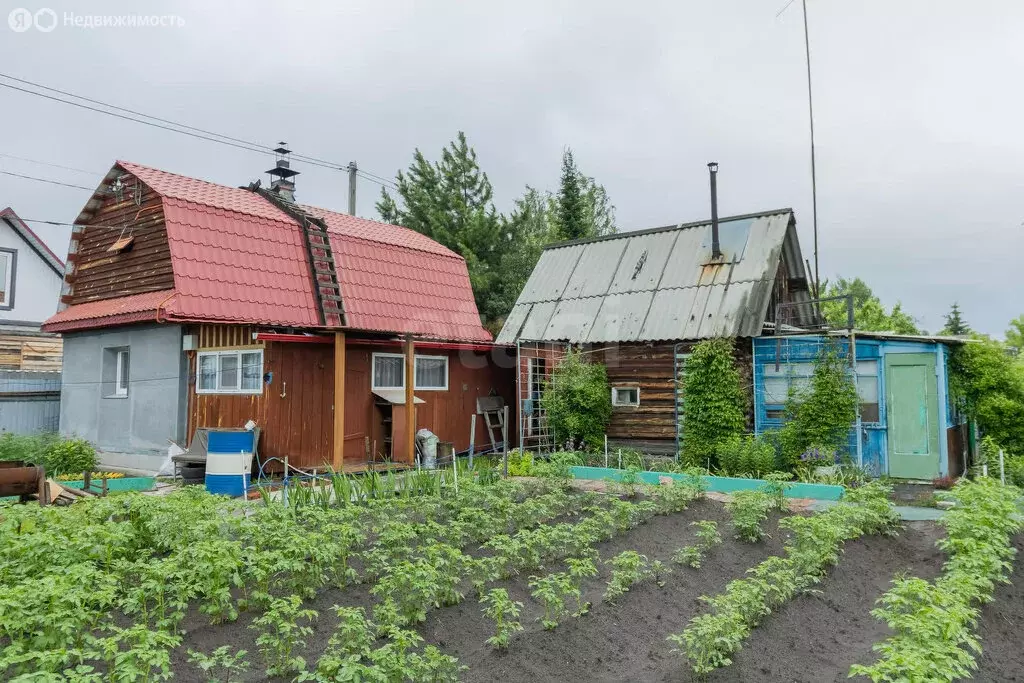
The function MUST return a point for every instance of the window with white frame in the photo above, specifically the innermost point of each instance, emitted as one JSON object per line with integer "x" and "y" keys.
{"x": 230, "y": 372}
{"x": 431, "y": 372}
{"x": 121, "y": 373}
{"x": 116, "y": 371}
{"x": 8, "y": 259}
{"x": 626, "y": 396}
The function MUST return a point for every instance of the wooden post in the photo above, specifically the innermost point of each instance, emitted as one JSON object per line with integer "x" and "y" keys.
{"x": 339, "y": 401}
{"x": 504, "y": 441}
{"x": 410, "y": 405}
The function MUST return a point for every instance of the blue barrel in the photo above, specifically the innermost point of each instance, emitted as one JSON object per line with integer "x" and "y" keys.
{"x": 229, "y": 461}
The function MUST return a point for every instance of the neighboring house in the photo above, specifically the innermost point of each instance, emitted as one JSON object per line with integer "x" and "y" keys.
{"x": 639, "y": 301}
{"x": 908, "y": 430}
{"x": 189, "y": 304}
{"x": 30, "y": 282}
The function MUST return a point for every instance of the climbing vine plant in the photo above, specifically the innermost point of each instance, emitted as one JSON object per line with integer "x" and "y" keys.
{"x": 577, "y": 401}
{"x": 820, "y": 416}
{"x": 713, "y": 406}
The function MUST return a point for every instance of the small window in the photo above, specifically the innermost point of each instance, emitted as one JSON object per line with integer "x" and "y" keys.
{"x": 867, "y": 390}
{"x": 8, "y": 259}
{"x": 121, "y": 381}
{"x": 230, "y": 372}
{"x": 115, "y": 370}
{"x": 625, "y": 396}
{"x": 389, "y": 372}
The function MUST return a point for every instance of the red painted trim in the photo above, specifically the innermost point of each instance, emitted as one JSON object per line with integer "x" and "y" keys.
{"x": 319, "y": 339}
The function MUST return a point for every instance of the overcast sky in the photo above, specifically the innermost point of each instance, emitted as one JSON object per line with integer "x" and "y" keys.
{"x": 918, "y": 111}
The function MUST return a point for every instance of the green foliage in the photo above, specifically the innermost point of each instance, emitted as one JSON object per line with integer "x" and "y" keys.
{"x": 955, "y": 325}
{"x": 280, "y": 634}
{"x": 577, "y": 402}
{"x": 451, "y": 201}
{"x": 933, "y": 623}
{"x": 707, "y": 538}
{"x": 775, "y": 486}
{"x": 989, "y": 384}
{"x": 710, "y": 640}
{"x": 220, "y": 665}
{"x": 740, "y": 456}
{"x": 868, "y": 312}
{"x": 714, "y": 402}
{"x": 1015, "y": 334}
{"x": 628, "y": 569}
{"x": 70, "y": 456}
{"x": 504, "y": 612}
{"x": 59, "y": 456}
{"x": 820, "y": 417}
{"x": 749, "y": 510}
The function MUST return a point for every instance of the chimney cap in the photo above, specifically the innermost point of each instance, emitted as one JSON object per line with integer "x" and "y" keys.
{"x": 713, "y": 166}
{"x": 281, "y": 149}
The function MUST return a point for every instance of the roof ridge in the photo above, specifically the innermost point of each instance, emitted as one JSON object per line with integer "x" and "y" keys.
{"x": 41, "y": 247}
{"x": 666, "y": 228}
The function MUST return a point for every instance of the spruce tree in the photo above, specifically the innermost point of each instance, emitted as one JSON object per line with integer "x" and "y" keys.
{"x": 955, "y": 324}
{"x": 572, "y": 217}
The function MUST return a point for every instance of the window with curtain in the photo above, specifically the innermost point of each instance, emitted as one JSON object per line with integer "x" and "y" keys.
{"x": 431, "y": 372}
{"x": 230, "y": 372}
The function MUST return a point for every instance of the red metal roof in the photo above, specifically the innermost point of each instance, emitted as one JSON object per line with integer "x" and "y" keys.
{"x": 237, "y": 258}
{"x": 121, "y": 311}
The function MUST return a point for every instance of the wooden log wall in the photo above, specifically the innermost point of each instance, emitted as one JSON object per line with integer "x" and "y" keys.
{"x": 144, "y": 267}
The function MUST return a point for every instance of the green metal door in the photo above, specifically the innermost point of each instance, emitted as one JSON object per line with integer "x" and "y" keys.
{"x": 912, "y": 415}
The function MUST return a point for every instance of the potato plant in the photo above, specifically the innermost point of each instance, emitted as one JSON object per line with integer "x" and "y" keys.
{"x": 933, "y": 622}
{"x": 628, "y": 569}
{"x": 281, "y": 633}
{"x": 749, "y": 510}
{"x": 707, "y": 538}
{"x": 710, "y": 640}
{"x": 504, "y": 612}
{"x": 220, "y": 665}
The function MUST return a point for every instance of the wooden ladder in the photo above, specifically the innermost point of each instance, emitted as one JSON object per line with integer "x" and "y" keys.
{"x": 323, "y": 270}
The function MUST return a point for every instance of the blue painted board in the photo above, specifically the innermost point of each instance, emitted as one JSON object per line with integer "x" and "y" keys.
{"x": 717, "y": 484}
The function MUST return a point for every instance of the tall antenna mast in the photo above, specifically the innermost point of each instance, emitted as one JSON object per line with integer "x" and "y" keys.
{"x": 814, "y": 178}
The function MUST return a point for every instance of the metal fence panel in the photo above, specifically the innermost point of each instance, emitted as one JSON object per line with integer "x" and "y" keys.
{"x": 29, "y": 402}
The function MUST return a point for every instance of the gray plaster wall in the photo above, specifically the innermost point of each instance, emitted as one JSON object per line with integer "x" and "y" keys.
{"x": 128, "y": 431}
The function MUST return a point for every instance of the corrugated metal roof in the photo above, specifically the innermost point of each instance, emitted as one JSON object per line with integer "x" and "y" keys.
{"x": 658, "y": 284}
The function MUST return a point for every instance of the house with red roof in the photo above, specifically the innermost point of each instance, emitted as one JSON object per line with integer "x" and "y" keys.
{"x": 187, "y": 304}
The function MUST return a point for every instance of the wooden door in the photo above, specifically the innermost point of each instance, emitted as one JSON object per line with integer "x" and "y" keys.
{"x": 912, "y": 415}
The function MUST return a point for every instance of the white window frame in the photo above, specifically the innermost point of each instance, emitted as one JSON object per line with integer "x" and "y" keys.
{"x": 11, "y": 255}
{"x": 619, "y": 404}
{"x": 122, "y": 374}
{"x": 238, "y": 384}
{"x": 416, "y": 387}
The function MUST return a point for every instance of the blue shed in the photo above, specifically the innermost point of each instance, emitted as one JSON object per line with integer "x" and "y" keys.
{"x": 908, "y": 427}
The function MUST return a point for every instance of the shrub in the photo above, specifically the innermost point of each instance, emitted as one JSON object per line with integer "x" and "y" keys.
{"x": 822, "y": 416}
{"x": 742, "y": 456}
{"x": 989, "y": 384}
{"x": 70, "y": 456}
{"x": 714, "y": 402}
{"x": 577, "y": 401}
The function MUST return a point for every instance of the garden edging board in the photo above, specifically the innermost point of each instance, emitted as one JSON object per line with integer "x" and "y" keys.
{"x": 718, "y": 484}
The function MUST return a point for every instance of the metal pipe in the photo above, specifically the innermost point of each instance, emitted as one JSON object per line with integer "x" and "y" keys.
{"x": 716, "y": 247}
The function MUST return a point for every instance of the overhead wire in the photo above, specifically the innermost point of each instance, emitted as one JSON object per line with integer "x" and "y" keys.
{"x": 47, "y": 180}
{"x": 47, "y": 163}
{"x": 176, "y": 127}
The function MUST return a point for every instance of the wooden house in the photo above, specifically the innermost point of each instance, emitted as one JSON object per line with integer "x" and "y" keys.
{"x": 189, "y": 304}
{"x": 638, "y": 302}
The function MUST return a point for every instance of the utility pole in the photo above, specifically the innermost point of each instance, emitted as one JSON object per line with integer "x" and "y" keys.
{"x": 352, "y": 168}
{"x": 814, "y": 179}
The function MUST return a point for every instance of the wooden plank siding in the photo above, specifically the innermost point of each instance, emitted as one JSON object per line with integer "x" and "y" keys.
{"x": 20, "y": 352}
{"x": 146, "y": 267}
{"x": 295, "y": 411}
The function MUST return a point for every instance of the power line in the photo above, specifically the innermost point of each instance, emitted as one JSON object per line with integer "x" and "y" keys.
{"x": 176, "y": 127}
{"x": 47, "y": 180}
{"x": 47, "y": 163}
